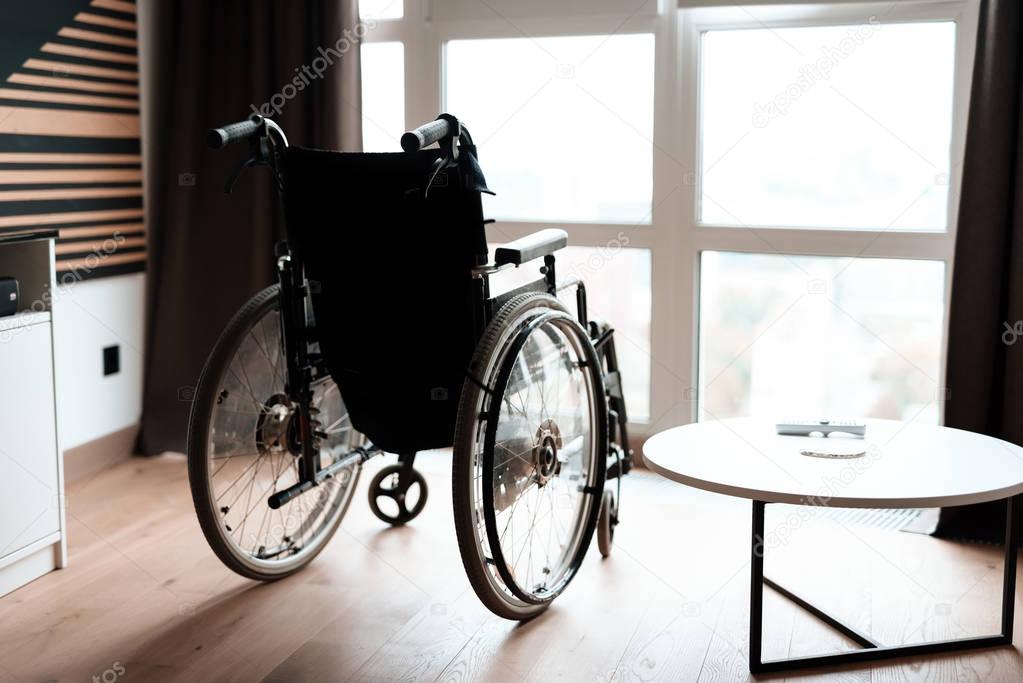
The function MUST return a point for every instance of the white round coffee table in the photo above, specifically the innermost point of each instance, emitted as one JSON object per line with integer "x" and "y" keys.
{"x": 903, "y": 465}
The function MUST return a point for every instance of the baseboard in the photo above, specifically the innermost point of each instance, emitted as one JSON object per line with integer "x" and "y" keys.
{"x": 636, "y": 442}
{"x": 99, "y": 454}
{"x": 29, "y": 567}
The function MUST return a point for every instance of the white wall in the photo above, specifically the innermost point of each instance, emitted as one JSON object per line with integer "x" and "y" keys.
{"x": 89, "y": 316}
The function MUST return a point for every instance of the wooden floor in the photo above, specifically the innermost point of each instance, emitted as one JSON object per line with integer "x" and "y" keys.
{"x": 144, "y": 599}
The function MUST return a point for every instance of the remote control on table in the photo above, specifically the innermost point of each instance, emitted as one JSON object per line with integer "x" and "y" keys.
{"x": 825, "y": 427}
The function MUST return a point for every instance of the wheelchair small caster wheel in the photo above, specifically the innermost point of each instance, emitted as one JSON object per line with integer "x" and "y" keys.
{"x": 395, "y": 482}
{"x": 607, "y": 520}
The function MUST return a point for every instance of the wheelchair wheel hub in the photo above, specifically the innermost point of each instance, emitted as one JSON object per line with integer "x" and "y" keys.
{"x": 276, "y": 430}
{"x": 545, "y": 452}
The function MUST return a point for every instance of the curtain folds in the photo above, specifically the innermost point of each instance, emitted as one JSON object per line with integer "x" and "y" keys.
{"x": 205, "y": 64}
{"x": 985, "y": 371}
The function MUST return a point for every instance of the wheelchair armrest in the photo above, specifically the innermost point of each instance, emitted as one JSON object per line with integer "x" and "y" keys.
{"x": 530, "y": 247}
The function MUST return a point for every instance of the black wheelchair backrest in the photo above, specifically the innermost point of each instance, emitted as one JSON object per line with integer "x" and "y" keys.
{"x": 390, "y": 269}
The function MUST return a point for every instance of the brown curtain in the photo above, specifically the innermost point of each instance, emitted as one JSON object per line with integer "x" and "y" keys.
{"x": 985, "y": 374}
{"x": 205, "y": 64}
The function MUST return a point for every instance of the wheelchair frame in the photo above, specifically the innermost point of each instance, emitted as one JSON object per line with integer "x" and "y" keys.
{"x": 265, "y": 138}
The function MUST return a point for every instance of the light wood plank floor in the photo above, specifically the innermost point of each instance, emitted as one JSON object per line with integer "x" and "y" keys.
{"x": 144, "y": 599}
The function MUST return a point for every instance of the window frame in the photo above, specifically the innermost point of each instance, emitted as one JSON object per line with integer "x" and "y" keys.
{"x": 674, "y": 237}
{"x": 891, "y": 243}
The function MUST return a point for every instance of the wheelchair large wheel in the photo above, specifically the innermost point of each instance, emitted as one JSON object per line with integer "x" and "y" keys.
{"x": 243, "y": 446}
{"x": 530, "y": 453}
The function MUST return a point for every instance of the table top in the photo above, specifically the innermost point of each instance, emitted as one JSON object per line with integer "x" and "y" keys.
{"x": 905, "y": 464}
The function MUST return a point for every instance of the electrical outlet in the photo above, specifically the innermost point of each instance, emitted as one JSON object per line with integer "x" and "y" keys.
{"x": 111, "y": 360}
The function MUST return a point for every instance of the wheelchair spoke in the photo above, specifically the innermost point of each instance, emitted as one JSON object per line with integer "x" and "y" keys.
{"x": 334, "y": 428}
{"x": 262, "y": 347}
{"x": 248, "y": 501}
{"x": 260, "y": 407}
{"x": 227, "y": 459}
{"x": 262, "y": 522}
{"x": 247, "y": 384}
{"x": 521, "y": 455}
{"x": 511, "y": 518}
{"x": 521, "y": 408}
{"x": 274, "y": 324}
{"x": 247, "y": 469}
{"x": 249, "y": 507}
{"x": 529, "y": 535}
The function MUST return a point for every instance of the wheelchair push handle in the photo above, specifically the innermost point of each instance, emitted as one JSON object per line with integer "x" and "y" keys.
{"x": 218, "y": 138}
{"x": 429, "y": 133}
{"x": 266, "y": 141}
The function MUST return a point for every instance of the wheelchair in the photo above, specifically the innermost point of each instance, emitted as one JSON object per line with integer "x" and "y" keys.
{"x": 381, "y": 335}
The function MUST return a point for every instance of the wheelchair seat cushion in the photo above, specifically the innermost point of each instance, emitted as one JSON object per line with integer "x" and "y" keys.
{"x": 392, "y": 290}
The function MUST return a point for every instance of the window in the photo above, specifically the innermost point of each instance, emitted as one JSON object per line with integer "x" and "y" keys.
{"x": 762, "y": 198}
{"x": 618, "y": 290}
{"x": 565, "y": 127}
{"x": 381, "y": 9}
{"x": 822, "y": 219}
{"x": 827, "y": 126}
{"x": 803, "y": 336}
{"x": 383, "y": 96}
{"x": 565, "y": 122}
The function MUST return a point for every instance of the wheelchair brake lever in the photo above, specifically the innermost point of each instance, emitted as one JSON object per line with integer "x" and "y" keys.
{"x": 439, "y": 165}
{"x": 249, "y": 163}
{"x": 233, "y": 178}
{"x": 450, "y": 156}
{"x": 261, "y": 152}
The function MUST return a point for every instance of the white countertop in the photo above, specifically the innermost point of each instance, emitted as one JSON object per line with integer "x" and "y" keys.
{"x": 23, "y": 319}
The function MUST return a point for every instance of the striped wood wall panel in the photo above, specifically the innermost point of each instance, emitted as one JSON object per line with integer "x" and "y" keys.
{"x": 70, "y": 154}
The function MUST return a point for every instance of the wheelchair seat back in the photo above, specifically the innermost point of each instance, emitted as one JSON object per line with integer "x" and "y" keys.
{"x": 393, "y": 296}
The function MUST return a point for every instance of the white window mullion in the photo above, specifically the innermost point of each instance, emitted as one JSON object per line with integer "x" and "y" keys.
{"x": 686, "y": 248}
{"x": 580, "y": 234}
{"x": 423, "y": 68}
{"x": 853, "y": 244}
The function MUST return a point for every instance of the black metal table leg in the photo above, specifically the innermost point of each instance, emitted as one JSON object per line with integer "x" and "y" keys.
{"x": 848, "y": 631}
{"x": 1009, "y": 578}
{"x": 756, "y": 607}
{"x": 872, "y": 651}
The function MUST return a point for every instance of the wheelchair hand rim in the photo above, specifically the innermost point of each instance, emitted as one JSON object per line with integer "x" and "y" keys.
{"x": 573, "y": 333}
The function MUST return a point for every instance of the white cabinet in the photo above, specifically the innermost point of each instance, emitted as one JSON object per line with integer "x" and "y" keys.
{"x": 31, "y": 474}
{"x": 29, "y": 508}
